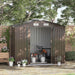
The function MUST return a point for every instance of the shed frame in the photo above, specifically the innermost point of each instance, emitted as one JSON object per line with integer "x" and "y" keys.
{"x": 20, "y": 42}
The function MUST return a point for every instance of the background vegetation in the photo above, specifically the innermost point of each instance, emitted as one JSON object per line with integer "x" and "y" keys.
{"x": 14, "y": 11}
{"x": 6, "y": 34}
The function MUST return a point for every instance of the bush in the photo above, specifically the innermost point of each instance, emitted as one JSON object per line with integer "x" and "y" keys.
{"x": 70, "y": 56}
{"x": 11, "y": 59}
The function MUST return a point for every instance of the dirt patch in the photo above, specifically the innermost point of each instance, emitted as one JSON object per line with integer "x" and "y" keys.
{"x": 67, "y": 69}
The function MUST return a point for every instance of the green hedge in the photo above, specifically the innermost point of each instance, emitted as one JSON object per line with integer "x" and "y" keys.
{"x": 70, "y": 56}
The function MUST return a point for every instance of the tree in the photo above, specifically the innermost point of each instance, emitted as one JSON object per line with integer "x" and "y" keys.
{"x": 68, "y": 12}
{"x": 3, "y": 4}
{"x": 24, "y": 10}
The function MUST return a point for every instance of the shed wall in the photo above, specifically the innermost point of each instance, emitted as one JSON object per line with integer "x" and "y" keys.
{"x": 58, "y": 44}
{"x": 12, "y": 42}
{"x": 22, "y": 43}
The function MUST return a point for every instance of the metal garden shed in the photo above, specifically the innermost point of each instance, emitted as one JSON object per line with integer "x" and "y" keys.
{"x": 24, "y": 39}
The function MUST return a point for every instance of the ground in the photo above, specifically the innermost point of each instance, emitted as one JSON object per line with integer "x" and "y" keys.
{"x": 66, "y": 69}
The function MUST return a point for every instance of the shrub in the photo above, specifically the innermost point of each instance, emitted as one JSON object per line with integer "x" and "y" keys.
{"x": 11, "y": 59}
{"x": 6, "y": 34}
{"x": 70, "y": 56}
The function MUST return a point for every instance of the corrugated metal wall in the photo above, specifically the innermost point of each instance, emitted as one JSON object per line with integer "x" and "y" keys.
{"x": 12, "y": 42}
{"x": 58, "y": 43}
{"x": 20, "y": 43}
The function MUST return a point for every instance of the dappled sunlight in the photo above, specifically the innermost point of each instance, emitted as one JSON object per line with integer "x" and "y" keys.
{"x": 38, "y": 70}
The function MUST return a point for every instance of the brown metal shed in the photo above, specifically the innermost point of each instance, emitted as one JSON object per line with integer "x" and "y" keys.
{"x": 24, "y": 38}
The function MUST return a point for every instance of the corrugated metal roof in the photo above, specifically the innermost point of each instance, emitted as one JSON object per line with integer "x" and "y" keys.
{"x": 36, "y": 20}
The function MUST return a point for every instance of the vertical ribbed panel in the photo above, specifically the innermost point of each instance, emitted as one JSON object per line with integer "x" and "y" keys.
{"x": 41, "y": 37}
{"x": 58, "y": 44}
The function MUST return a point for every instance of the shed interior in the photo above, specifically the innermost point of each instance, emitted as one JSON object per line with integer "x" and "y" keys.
{"x": 40, "y": 44}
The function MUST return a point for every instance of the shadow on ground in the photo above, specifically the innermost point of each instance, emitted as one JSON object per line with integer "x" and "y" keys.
{"x": 7, "y": 67}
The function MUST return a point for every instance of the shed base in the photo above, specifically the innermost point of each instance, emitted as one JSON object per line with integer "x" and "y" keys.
{"x": 42, "y": 64}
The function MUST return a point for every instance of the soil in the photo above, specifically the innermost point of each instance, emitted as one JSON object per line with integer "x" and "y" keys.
{"x": 66, "y": 69}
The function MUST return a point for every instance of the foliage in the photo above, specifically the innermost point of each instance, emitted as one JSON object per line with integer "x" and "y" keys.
{"x": 71, "y": 74}
{"x": 6, "y": 34}
{"x": 4, "y": 50}
{"x": 11, "y": 59}
{"x": 70, "y": 56}
{"x": 2, "y": 40}
{"x": 70, "y": 36}
{"x": 72, "y": 41}
{"x": 24, "y": 61}
{"x": 4, "y": 6}
{"x": 68, "y": 12}
{"x": 59, "y": 58}
{"x": 24, "y": 10}
{"x": 18, "y": 62}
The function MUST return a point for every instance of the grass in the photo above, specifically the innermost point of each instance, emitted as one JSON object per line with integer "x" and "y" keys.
{"x": 70, "y": 74}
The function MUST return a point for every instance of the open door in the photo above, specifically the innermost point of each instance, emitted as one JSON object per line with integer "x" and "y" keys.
{"x": 40, "y": 37}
